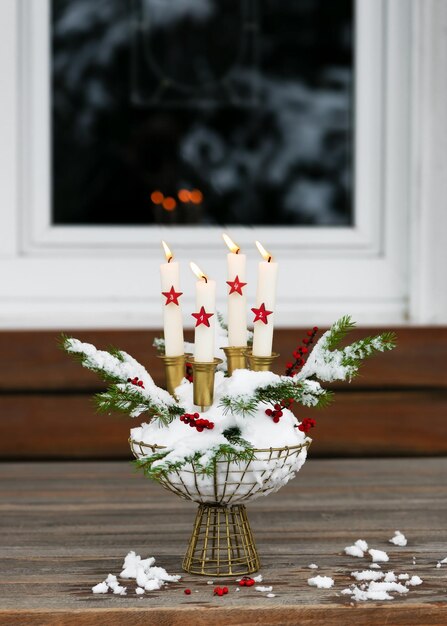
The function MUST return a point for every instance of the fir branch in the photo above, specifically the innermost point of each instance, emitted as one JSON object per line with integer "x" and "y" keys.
{"x": 221, "y": 321}
{"x": 338, "y": 332}
{"x": 331, "y": 364}
{"x": 118, "y": 368}
{"x": 237, "y": 450}
{"x": 127, "y": 398}
{"x": 307, "y": 393}
{"x": 159, "y": 345}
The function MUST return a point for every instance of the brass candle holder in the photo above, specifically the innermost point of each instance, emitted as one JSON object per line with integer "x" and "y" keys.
{"x": 174, "y": 371}
{"x": 203, "y": 382}
{"x": 236, "y": 359}
{"x": 260, "y": 363}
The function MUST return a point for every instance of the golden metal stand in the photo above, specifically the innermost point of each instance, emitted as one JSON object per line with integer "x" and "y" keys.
{"x": 174, "y": 371}
{"x": 203, "y": 381}
{"x": 221, "y": 543}
{"x": 236, "y": 359}
{"x": 260, "y": 363}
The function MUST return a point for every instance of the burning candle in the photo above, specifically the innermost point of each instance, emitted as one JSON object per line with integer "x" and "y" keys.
{"x": 237, "y": 301}
{"x": 265, "y": 304}
{"x": 172, "y": 312}
{"x": 204, "y": 316}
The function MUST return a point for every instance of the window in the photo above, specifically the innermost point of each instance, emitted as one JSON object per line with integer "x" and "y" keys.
{"x": 202, "y": 112}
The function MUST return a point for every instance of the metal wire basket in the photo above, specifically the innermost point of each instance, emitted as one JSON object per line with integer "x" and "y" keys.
{"x": 222, "y": 542}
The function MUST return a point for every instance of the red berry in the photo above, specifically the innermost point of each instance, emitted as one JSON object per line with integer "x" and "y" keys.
{"x": 188, "y": 592}
{"x": 250, "y": 582}
{"x": 199, "y": 429}
{"x": 129, "y": 380}
{"x": 310, "y": 333}
{"x": 306, "y": 340}
{"x": 276, "y": 420}
{"x": 289, "y": 365}
{"x": 268, "y": 412}
{"x": 196, "y": 415}
{"x": 315, "y": 329}
{"x": 192, "y": 423}
{"x": 225, "y": 590}
{"x": 242, "y": 582}
{"x": 279, "y": 414}
{"x": 211, "y": 425}
{"x": 219, "y": 591}
{"x": 304, "y": 351}
{"x": 140, "y": 383}
{"x": 277, "y": 407}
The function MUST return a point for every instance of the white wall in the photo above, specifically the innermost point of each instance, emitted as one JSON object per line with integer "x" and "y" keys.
{"x": 388, "y": 269}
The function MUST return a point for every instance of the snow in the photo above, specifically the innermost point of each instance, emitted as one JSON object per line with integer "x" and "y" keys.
{"x": 415, "y": 580}
{"x": 258, "y": 578}
{"x": 267, "y": 471}
{"x": 312, "y": 566}
{"x": 264, "y": 589}
{"x": 269, "y": 595}
{"x": 378, "y": 556}
{"x": 322, "y": 582}
{"x": 403, "y": 576}
{"x": 399, "y": 539}
{"x": 374, "y": 566}
{"x": 148, "y": 577}
{"x": 390, "y": 577}
{"x": 100, "y": 588}
{"x": 387, "y": 586}
{"x": 127, "y": 368}
{"x": 367, "y": 575}
{"x": 354, "y": 551}
{"x": 361, "y": 543}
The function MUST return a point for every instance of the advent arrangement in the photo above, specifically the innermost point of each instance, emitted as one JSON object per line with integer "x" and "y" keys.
{"x": 223, "y": 432}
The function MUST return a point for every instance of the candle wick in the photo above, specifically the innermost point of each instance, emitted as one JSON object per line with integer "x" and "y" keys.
{"x": 237, "y": 251}
{"x": 205, "y": 278}
{"x": 270, "y": 258}
{"x": 170, "y": 259}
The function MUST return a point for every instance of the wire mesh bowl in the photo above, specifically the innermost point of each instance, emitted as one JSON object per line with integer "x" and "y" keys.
{"x": 222, "y": 542}
{"x": 232, "y": 482}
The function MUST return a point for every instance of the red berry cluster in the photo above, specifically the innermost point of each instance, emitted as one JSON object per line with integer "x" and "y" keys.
{"x": 306, "y": 424}
{"x": 188, "y": 592}
{"x": 246, "y": 581}
{"x": 136, "y": 381}
{"x": 188, "y": 372}
{"x": 276, "y": 413}
{"x": 300, "y": 354}
{"x": 194, "y": 420}
{"x": 220, "y": 591}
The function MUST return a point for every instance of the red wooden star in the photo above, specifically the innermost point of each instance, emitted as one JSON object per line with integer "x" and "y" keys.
{"x": 261, "y": 314}
{"x": 172, "y": 296}
{"x": 236, "y": 286}
{"x": 202, "y": 317}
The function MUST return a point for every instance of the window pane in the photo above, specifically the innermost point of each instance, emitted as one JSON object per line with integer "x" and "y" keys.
{"x": 202, "y": 112}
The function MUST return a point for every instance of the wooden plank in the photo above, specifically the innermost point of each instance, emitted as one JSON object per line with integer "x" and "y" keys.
{"x": 358, "y": 423}
{"x": 31, "y": 360}
{"x": 65, "y": 526}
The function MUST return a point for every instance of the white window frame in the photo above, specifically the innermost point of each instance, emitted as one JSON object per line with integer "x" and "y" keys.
{"x": 55, "y": 276}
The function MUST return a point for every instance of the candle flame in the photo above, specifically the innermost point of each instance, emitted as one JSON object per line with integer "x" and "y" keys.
{"x": 168, "y": 253}
{"x": 266, "y": 255}
{"x": 197, "y": 271}
{"x": 230, "y": 243}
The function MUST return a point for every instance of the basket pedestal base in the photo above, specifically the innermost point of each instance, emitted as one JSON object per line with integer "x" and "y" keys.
{"x": 221, "y": 543}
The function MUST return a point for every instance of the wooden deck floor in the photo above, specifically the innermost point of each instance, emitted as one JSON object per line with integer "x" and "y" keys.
{"x": 65, "y": 526}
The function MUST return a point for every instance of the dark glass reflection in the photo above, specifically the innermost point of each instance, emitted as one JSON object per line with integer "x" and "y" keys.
{"x": 202, "y": 112}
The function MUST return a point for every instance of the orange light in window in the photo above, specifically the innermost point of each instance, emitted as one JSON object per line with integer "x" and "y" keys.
{"x": 184, "y": 195}
{"x": 169, "y": 204}
{"x": 157, "y": 197}
{"x": 196, "y": 196}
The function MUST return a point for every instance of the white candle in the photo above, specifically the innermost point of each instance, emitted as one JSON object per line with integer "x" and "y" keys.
{"x": 204, "y": 317}
{"x": 265, "y": 304}
{"x": 172, "y": 312}
{"x": 237, "y": 301}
